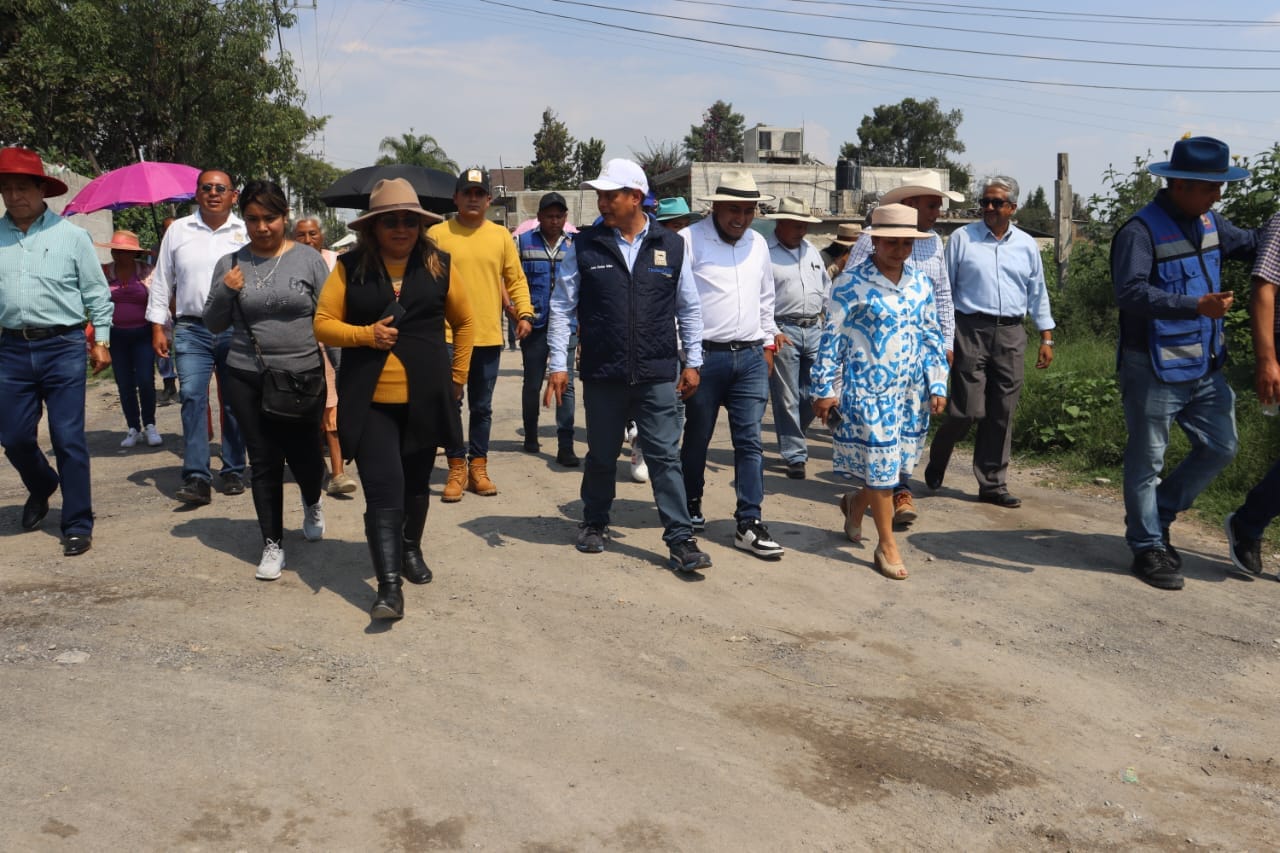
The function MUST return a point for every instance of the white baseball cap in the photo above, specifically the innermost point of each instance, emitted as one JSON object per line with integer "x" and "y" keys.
{"x": 619, "y": 174}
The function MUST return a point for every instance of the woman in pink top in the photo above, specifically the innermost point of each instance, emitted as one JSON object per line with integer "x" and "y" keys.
{"x": 132, "y": 358}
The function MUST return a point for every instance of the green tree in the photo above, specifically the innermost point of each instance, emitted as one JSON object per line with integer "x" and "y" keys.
{"x": 554, "y": 164}
{"x": 192, "y": 81}
{"x": 588, "y": 158}
{"x": 1035, "y": 213}
{"x": 414, "y": 150}
{"x": 308, "y": 176}
{"x": 911, "y": 133}
{"x": 719, "y": 138}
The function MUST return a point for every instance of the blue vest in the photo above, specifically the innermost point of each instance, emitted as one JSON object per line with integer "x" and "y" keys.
{"x": 540, "y": 268}
{"x": 1184, "y": 349}
{"x": 626, "y": 320}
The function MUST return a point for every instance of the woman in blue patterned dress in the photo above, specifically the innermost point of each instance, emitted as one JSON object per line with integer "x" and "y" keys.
{"x": 882, "y": 354}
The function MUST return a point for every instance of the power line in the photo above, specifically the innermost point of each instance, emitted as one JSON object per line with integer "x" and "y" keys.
{"x": 1042, "y": 14}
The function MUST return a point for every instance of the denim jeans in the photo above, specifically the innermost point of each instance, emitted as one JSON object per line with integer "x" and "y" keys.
{"x": 1205, "y": 410}
{"x": 198, "y": 354}
{"x": 535, "y": 352}
{"x": 48, "y": 374}
{"x": 739, "y": 381}
{"x": 479, "y": 398}
{"x": 652, "y": 405}
{"x": 132, "y": 361}
{"x": 789, "y": 388}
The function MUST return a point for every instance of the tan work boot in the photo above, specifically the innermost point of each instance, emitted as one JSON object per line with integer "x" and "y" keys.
{"x": 457, "y": 481}
{"x": 478, "y": 480}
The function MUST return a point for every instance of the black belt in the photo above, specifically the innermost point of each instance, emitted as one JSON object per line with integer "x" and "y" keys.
{"x": 41, "y": 334}
{"x": 991, "y": 318}
{"x": 190, "y": 318}
{"x": 801, "y": 320}
{"x": 729, "y": 346}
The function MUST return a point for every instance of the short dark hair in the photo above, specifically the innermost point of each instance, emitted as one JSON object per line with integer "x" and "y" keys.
{"x": 266, "y": 193}
{"x": 212, "y": 170}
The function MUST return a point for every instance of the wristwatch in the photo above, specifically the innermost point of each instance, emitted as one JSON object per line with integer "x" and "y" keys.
{"x": 103, "y": 344}
{"x": 1048, "y": 342}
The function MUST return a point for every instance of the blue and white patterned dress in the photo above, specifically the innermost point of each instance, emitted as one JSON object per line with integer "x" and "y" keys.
{"x": 882, "y": 353}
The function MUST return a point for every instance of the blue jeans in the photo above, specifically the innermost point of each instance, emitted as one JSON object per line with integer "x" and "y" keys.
{"x": 133, "y": 362}
{"x": 1204, "y": 409}
{"x": 789, "y": 388}
{"x": 652, "y": 405}
{"x": 197, "y": 355}
{"x": 48, "y": 374}
{"x": 739, "y": 381}
{"x": 479, "y": 397}
{"x": 535, "y": 352}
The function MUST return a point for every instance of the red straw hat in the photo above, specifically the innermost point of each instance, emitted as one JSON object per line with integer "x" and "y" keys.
{"x": 24, "y": 161}
{"x": 123, "y": 241}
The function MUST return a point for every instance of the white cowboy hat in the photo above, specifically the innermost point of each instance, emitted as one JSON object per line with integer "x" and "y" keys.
{"x": 790, "y": 207}
{"x": 895, "y": 220}
{"x": 736, "y": 185}
{"x": 923, "y": 182}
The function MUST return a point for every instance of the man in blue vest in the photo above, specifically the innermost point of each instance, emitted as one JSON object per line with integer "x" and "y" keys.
{"x": 541, "y": 253}
{"x": 1166, "y": 267}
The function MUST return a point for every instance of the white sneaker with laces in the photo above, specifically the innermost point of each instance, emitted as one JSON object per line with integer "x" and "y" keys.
{"x": 313, "y": 521}
{"x": 153, "y": 435}
{"x": 630, "y": 433}
{"x": 131, "y": 438}
{"x": 271, "y": 563}
{"x": 639, "y": 470}
{"x": 754, "y": 537}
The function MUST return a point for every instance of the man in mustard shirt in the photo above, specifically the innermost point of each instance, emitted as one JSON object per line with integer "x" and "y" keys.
{"x": 486, "y": 262}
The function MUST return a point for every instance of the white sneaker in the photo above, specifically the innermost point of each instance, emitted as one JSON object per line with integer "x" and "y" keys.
{"x": 754, "y": 537}
{"x": 639, "y": 470}
{"x": 153, "y": 435}
{"x": 271, "y": 563}
{"x": 630, "y": 433}
{"x": 313, "y": 521}
{"x": 131, "y": 438}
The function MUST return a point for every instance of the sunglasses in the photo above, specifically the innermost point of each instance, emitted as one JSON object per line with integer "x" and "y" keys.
{"x": 996, "y": 203}
{"x": 408, "y": 220}
{"x": 214, "y": 188}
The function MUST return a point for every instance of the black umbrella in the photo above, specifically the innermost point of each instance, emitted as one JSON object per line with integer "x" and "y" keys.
{"x": 433, "y": 186}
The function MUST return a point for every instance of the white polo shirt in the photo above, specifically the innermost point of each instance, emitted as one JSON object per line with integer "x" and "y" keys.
{"x": 188, "y": 253}
{"x": 735, "y": 284}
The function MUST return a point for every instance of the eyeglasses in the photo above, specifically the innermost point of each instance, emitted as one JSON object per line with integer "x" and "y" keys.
{"x": 996, "y": 203}
{"x": 408, "y": 220}
{"x": 214, "y": 188}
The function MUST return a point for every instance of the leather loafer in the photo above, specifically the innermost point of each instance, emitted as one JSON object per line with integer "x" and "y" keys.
{"x": 1001, "y": 499}
{"x": 76, "y": 544}
{"x": 34, "y": 511}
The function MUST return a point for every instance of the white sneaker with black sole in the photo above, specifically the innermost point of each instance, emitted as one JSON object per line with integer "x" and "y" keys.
{"x": 272, "y": 562}
{"x": 754, "y": 537}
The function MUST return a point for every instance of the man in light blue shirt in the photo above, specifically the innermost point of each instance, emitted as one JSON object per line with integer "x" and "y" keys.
{"x": 997, "y": 279}
{"x": 50, "y": 279}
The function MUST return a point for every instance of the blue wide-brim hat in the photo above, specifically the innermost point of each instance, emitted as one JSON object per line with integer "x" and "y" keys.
{"x": 1200, "y": 158}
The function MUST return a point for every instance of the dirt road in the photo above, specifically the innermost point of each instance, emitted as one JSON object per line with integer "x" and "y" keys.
{"x": 1019, "y": 691}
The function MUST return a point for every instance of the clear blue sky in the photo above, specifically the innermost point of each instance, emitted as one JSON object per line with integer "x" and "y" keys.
{"x": 477, "y": 75}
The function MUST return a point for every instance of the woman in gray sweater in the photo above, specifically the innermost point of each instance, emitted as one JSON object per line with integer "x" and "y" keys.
{"x": 272, "y": 284}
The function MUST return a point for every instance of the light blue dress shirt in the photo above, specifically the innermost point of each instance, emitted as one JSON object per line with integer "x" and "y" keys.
{"x": 1003, "y": 277}
{"x": 51, "y": 276}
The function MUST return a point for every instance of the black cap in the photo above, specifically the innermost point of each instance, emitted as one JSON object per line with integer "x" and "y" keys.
{"x": 550, "y": 200}
{"x": 473, "y": 177}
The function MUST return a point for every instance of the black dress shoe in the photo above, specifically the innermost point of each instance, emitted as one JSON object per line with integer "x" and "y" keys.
{"x": 34, "y": 511}
{"x": 531, "y": 445}
{"x": 232, "y": 484}
{"x": 76, "y": 544}
{"x": 933, "y": 477}
{"x": 1001, "y": 499}
{"x": 795, "y": 470}
{"x": 567, "y": 458}
{"x": 194, "y": 491}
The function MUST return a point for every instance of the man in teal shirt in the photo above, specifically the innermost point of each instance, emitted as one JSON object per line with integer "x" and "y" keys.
{"x": 50, "y": 279}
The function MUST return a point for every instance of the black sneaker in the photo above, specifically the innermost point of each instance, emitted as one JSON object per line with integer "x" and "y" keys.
{"x": 685, "y": 556}
{"x": 1153, "y": 566}
{"x": 1246, "y": 554}
{"x": 795, "y": 470}
{"x": 754, "y": 537}
{"x": 695, "y": 514}
{"x": 1175, "y": 559}
{"x": 566, "y": 457}
{"x": 232, "y": 483}
{"x": 591, "y": 538}
{"x": 531, "y": 444}
{"x": 194, "y": 491}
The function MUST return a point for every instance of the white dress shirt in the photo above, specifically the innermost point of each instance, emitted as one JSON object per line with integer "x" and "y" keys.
{"x": 735, "y": 284}
{"x": 188, "y": 253}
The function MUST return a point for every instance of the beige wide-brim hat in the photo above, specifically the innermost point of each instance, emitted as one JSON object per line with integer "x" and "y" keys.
{"x": 847, "y": 234}
{"x": 392, "y": 195}
{"x": 736, "y": 185}
{"x": 895, "y": 220}
{"x": 923, "y": 182}
{"x": 790, "y": 207}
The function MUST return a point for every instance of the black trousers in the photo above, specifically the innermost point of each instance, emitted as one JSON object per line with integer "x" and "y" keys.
{"x": 388, "y": 476}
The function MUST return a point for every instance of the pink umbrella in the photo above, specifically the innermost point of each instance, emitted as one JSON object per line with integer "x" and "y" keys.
{"x": 530, "y": 224}
{"x": 136, "y": 185}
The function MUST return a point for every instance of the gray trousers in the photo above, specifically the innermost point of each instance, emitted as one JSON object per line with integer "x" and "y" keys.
{"x": 986, "y": 381}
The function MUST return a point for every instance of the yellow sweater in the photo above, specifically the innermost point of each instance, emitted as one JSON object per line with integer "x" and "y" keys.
{"x": 393, "y": 385}
{"x": 484, "y": 260}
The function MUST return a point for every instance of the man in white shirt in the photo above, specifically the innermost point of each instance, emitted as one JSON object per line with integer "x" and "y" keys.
{"x": 183, "y": 273}
{"x": 734, "y": 276}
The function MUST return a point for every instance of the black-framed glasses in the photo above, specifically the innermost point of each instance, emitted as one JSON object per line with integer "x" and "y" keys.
{"x": 408, "y": 220}
{"x": 214, "y": 188}
{"x": 997, "y": 203}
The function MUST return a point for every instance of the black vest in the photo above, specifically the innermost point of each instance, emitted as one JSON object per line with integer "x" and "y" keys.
{"x": 626, "y": 320}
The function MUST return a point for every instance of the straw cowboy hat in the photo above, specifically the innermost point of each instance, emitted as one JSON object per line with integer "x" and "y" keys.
{"x": 391, "y": 195}
{"x": 847, "y": 234}
{"x": 1200, "y": 158}
{"x": 923, "y": 182}
{"x": 895, "y": 220}
{"x": 790, "y": 207}
{"x": 123, "y": 241}
{"x": 736, "y": 185}
{"x": 24, "y": 161}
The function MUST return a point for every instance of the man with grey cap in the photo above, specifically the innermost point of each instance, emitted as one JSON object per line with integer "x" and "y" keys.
{"x": 923, "y": 191}
{"x": 800, "y": 286}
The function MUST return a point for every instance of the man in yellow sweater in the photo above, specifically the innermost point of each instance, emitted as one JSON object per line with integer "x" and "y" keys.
{"x": 486, "y": 262}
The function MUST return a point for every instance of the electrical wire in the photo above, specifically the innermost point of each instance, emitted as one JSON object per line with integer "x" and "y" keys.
{"x": 1042, "y": 14}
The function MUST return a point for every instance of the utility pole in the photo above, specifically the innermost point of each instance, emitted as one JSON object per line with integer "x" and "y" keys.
{"x": 1063, "y": 202}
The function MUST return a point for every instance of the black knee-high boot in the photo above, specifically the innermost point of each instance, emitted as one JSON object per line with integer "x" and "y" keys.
{"x": 383, "y": 529}
{"x": 415, "y": 519}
